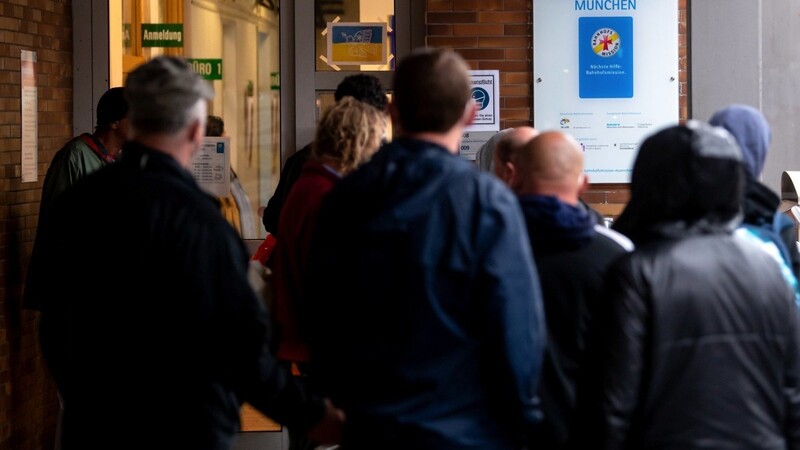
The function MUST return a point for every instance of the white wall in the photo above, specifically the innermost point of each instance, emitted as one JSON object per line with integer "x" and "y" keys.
{"x": 745, "y": 51}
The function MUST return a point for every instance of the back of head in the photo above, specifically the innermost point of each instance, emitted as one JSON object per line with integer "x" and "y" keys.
{"x": 111, "y": 107}
{"x": 750, "y": 129}
{"x": 348, "y": 133}
{"x": 511, "y": 142}
{"x": 690, "y": 175}
{"x": 215, "y": 126}
{"x": 432, "y": 89}
{"x": 163, "y": 95}
{"x": 550, "y": 164}
{"x": 363, "y": 87}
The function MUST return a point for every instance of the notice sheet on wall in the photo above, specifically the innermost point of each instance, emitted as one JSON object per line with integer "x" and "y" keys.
{"x": 486, "y": 94}
{"x": 30, "y": 124}
{"x": 211, "y": 166}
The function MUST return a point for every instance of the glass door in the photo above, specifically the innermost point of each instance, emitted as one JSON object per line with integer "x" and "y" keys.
{"x": 334, "y": 39}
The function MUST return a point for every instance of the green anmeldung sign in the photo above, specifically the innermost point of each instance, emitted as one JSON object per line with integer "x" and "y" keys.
{"x": 162, "y": 35}
{"x": 210, "y": 69}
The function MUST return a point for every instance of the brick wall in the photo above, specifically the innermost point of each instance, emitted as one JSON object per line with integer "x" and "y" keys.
{"x": 498, "y": 35}
{"x": 28, "y": 404}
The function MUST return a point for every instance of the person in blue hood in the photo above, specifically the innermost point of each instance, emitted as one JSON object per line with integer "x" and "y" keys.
{"x": 426, "y": 312}
{"x": 751, "y": 131}
{"x": 572, "y": 253}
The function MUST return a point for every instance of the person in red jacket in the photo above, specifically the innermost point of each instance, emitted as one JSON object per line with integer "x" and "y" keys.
{"x": 348, "y": 134}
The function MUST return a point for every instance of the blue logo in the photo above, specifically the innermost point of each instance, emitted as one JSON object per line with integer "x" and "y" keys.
{"x": 481, "y": 97}
{"x": 220, "y": 147}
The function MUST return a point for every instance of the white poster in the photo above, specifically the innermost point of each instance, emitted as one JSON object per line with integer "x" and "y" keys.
{"x": 606, "y": 71}
{"x": 486, "y": 93}
{"x": 30, "y": 123}
{"x": 211, "y": 166}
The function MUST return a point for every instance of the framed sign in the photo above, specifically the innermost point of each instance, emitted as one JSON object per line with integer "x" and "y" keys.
{"x": 486, "y": 94}
{"x": 606, "y": 72}
{"x": 356, "y": 43}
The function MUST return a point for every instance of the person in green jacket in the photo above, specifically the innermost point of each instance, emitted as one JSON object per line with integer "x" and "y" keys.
{"x": 88, "y": 152}
{"x": 79, "y": 157}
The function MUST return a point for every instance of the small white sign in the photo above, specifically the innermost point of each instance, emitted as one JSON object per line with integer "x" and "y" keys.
{"x": 486, "y": 94}
{"x": 30, "y": 123}
{"x": 211, "y": 166}
{"x": 471, "y": 142}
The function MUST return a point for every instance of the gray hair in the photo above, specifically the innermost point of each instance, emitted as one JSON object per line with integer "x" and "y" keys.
{"x": 162, "y": 94}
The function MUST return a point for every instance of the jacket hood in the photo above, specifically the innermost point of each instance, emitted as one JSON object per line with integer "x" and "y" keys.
{"x": 687, "y": 179}
{"x": 751, "y": 131}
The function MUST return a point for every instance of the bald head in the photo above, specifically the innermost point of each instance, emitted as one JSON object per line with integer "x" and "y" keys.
{"x": 551, "y": 164}
{"x": 510, "y": 143}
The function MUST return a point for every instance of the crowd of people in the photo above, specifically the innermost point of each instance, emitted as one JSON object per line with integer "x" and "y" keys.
{"x": 422, "y": 301}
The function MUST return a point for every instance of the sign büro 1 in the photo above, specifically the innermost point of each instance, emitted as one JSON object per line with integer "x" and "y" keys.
{"x": 209, "y": 69}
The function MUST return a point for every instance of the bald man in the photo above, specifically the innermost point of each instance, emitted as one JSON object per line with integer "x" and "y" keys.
{"x": 572, "y": 252}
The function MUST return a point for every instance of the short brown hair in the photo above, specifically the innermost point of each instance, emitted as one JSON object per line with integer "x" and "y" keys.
{"x": 349, "y": 132}
{"x": 431, "y": 90}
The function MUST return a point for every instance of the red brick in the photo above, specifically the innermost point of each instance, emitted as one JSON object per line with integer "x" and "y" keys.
{"x": 508, "y": 66}
{"x": 478, "y": 5}
{"x": 440, "y": 30}
{"x": 516, "y": 90}
{"x": 452, "y": 41}
{"x": 519, "y": 53}
{"x": 519, "y": 30}
{"x": 483, "y": 53}
{"x": 517, "y": 102}
{"x": 440, "y": 5}
{"x": 504, "y": 42}
{"x": 452, "y": 17}
{"x": 477, "y": 30}
{"x": 518, "y": 5}
{"x": 504, "y": 17}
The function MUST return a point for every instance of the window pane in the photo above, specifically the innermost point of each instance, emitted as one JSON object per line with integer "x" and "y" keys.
{"x": 235, "y": 46}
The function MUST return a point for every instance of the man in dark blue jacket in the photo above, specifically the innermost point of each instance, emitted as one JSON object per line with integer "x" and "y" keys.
{"x": 428, "y": 328}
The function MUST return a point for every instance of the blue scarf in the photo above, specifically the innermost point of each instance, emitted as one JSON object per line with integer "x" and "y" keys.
{"x": 555, "y": 225}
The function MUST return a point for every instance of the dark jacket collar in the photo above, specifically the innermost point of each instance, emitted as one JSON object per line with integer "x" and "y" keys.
{"x": 760, "y": 203}
{"x": 553, "y": 224}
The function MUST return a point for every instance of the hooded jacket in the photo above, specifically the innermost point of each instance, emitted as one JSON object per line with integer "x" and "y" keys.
{"x": 751, "y": 131}
{"x": 699, "y": 348}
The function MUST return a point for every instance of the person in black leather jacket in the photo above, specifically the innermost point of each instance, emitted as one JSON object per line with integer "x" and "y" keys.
{"x": 699, "y": 347}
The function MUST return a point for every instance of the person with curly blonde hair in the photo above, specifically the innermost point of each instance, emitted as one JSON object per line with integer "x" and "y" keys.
{"x": 347, "y": 136}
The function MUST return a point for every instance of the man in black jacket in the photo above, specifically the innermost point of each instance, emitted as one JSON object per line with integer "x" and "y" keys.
{"x": 699, "y": 347}
{"x": 572, "y": 252}
{"x": 165, "y": 338}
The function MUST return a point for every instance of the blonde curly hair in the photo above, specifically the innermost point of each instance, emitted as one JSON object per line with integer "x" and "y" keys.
{"x": 348, "y": 134}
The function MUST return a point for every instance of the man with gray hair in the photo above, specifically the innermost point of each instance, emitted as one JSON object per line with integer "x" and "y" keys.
{"x": 170, "y": 296}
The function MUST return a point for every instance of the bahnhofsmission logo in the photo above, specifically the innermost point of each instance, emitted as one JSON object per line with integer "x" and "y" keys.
{"x": 606, "y": 42}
